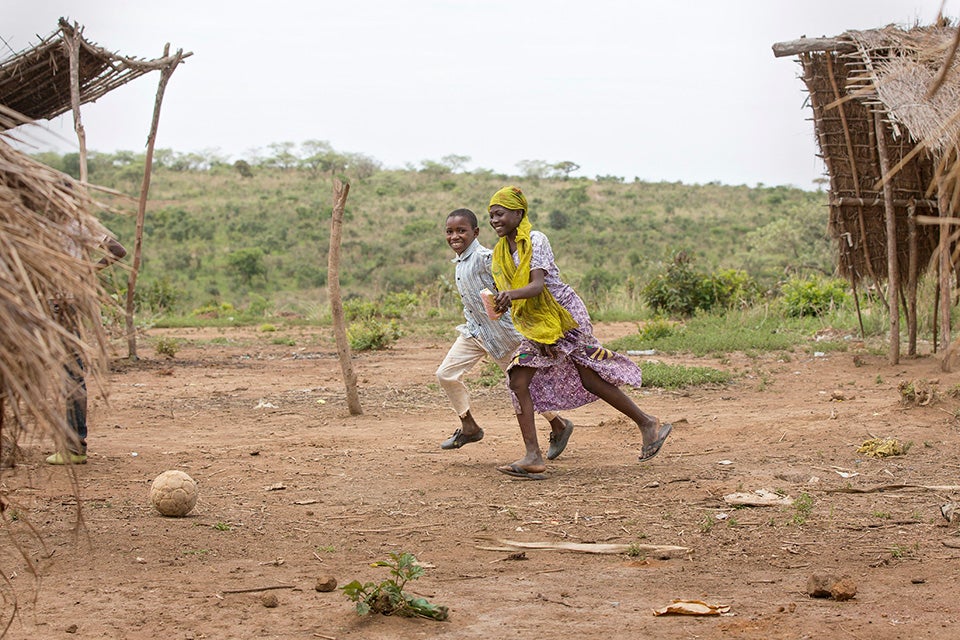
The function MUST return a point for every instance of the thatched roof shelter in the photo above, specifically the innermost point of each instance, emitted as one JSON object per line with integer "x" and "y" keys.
{"x": 36, "y": 82}
{"x": 886, "y": 112}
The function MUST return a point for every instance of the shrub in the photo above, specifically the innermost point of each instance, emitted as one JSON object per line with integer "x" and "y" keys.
{"x": 167, "y": 347}
{"x": 729, "y": 288}
{"x": 371, "y": 334}
{"x": 812, "y": 296}
{"x": 680, "y": 290}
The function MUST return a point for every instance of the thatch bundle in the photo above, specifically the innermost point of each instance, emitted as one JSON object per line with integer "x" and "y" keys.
{"x": 47, "y": 238}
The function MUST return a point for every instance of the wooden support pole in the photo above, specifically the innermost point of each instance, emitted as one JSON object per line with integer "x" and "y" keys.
{"x": 71, "y": 38}
{"x": 944, "y": 270}
{"x": 340, "y": 191}
{"x": 893, "y": 269}
{"x": 912, "y": 268}
{"x": 165, "y": 74}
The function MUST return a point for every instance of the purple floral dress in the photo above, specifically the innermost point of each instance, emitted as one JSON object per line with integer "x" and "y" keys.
{"x": 556, "y": 385}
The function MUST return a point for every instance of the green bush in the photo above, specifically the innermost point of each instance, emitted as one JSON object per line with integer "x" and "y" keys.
{"x": 357, "y": 309}
{"x": 731, "y": 288}
{"x": 680, "y": 290}
{"x": 167, "y": 347}
{"x": 371, "y": 334}
{"x": 656, "y": 329}
{"x": 813, "y": 296}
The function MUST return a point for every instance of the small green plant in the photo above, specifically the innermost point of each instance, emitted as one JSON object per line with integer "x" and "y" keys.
{"x": 167, "y": 347}
{"x": 707, "y": 524}
{"x": 388, "y": 597}
{"x": 656, "y": 329}
{"x": 222, "y": 526}
{"x": 882, "y": 515}
{"x": 803, "y": 507}
{"x": 266, "y": 327}
{"x": 329, "y": 548}
{"x": 897, "y": 551}
{"x": 287, "y": 342}
{"x": 366, "y": 335}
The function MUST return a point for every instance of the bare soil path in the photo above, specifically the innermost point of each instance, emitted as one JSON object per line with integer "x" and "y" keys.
{"x": 294, "y": 489}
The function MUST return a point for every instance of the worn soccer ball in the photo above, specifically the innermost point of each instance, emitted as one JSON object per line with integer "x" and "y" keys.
{"x": 173, "y": 493}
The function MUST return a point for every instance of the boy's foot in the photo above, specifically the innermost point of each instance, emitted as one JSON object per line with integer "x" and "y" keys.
{"x": 459, "y": 438}
{"x": 559, "y": 439}
{"x": 70, "y": 458}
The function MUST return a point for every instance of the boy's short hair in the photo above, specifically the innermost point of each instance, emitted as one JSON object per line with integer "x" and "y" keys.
{"x": 465, "y": 213}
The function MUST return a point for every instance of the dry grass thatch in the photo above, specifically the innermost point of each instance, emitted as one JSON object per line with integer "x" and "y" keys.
{"x": 47, "y": 244}
{"x": 36, "y": 81}
{"x": 883, "y": 74}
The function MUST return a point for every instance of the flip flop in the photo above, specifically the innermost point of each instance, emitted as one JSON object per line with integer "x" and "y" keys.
{"x": 517, "y": 471}
{"x": 558, "y": 442}
{"x": 652, "y": 449}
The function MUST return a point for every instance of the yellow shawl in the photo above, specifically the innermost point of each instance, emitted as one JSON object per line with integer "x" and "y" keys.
{"x": 540, "y": 318}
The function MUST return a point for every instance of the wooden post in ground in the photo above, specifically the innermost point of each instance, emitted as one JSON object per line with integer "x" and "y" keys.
{"x": 893, "y": 268}
{"x": 165, "y": 74}
{"x": 912, "y": 280}
{"x": 71, "y": 38}
{"x": 340, "y": 191}
{"x": 945, "y": 271}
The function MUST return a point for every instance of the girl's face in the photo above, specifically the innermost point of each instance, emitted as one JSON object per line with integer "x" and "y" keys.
{"x": 460, "y": 233}
{"x": 505, "y": 221}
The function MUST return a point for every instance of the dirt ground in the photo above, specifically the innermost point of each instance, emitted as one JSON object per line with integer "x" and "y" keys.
{"x": 293, "y": 489}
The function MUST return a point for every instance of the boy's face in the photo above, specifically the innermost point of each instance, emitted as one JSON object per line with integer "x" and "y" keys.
{"x": 460, "y": 233}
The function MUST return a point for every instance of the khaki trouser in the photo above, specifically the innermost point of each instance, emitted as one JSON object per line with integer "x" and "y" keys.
{"x": 464, "y": 354}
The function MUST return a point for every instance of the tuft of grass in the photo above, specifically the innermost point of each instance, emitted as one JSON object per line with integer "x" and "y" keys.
{"x": 751, "y": 330}
{"x": 676, "y": 376}
{"x": 803, "y": 507}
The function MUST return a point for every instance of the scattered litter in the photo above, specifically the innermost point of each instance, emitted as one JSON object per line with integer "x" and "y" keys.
{"x": 819, "y": 354}
{"x": 951, "y": 511}
{"x": 321, "y": 401}
{"x": 310, "y": 501}
{"x": 642, "y": 352}
{"x": 692, "y": 608}
{"x": 279, "y": 486}
{"x": 134, "y": 454}
{"x": 265, "y": 405}
{"x": 758, "y": 498}
{"x": 846, "y": 474}
{"x": 724, "y": 462}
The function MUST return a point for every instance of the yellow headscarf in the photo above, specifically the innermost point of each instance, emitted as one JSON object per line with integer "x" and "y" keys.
{"x": 540, "y": 318}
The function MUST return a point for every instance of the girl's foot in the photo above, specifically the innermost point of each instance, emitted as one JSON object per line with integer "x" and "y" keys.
{"x": 653, "y": 448}
{"x": 519, "y": 470}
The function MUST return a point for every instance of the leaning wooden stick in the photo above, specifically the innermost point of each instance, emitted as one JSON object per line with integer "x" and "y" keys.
{"x": 340, "y": 191}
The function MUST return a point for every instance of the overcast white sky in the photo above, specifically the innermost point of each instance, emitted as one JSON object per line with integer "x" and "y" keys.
{"x": 671, "y": 90}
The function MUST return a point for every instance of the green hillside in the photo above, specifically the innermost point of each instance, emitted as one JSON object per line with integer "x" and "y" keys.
{"x": 258, "y": 235}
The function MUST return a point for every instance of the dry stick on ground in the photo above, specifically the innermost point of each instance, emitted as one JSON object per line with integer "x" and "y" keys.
{"x": 340, "y": 191}
{"x": 889, "y": 487}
